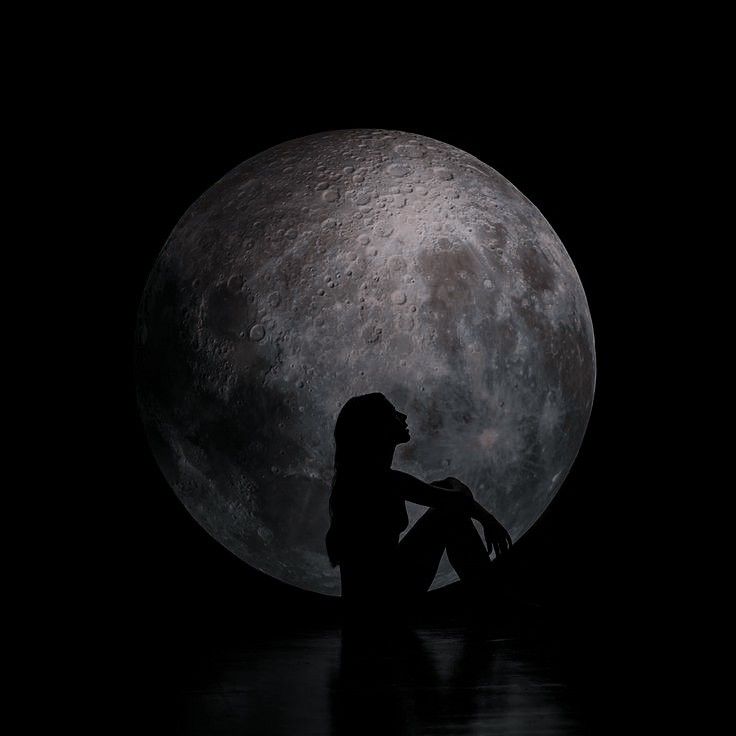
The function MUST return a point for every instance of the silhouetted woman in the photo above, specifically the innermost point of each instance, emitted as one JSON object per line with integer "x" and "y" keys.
{"x": 368, "y": 513}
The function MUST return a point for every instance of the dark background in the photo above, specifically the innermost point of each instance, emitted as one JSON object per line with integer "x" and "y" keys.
{"x": 584, "y": 154}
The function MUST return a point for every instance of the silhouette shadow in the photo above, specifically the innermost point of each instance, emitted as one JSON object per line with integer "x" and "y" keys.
{"x": 455, "y": 681}
{"x": 363, "y": 679}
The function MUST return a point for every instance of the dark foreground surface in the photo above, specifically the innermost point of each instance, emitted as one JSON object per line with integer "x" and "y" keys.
{"x": 433, "y": 677}
{"x": 436, "y": 681}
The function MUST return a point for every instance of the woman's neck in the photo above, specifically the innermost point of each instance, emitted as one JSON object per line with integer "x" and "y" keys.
{"x": 385, "y": 457}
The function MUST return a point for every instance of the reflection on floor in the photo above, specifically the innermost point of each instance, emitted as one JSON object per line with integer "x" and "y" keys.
{"x": 429, "y": 680}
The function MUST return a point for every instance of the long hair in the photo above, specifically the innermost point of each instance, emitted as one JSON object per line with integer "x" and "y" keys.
{"x": 359, "y": 435}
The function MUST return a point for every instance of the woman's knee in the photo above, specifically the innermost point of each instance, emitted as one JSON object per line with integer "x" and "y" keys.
{"x": 451, "y": 513}
{"x": 451, "y": 520}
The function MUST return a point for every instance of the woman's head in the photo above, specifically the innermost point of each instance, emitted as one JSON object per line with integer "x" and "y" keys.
{"x": 367, "y": 428}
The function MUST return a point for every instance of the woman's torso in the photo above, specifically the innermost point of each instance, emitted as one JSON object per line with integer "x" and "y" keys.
{"x": 369, "y": 516}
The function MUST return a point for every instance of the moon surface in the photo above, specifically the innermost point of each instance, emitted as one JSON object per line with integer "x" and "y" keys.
{"x": 344, "y": 263}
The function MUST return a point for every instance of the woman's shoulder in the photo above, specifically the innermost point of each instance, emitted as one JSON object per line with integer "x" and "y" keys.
{"x": 400, "y": 478}
{"x": 372, "y": 483}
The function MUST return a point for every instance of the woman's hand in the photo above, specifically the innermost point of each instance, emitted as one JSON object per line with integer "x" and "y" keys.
{"x": 497, "y": 538}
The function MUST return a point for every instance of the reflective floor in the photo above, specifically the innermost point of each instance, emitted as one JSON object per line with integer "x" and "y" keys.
{"x": 427, "y": 680}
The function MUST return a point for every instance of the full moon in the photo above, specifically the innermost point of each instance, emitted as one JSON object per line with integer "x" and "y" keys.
{"x": 345, "y": 263}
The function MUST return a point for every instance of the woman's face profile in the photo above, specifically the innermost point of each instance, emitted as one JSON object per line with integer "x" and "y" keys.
{"x": 370, "y": 421}
{"x": 397, "y": 425}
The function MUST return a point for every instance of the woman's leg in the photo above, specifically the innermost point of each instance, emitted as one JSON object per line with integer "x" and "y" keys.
{"x": 420, "y": 551}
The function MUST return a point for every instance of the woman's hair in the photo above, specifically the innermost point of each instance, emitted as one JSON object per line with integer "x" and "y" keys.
{"x": 359, "y": 434}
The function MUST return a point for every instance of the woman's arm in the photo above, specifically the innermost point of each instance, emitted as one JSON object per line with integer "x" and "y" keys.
{"x": 452, "y": 495}
{"x": 449, "y": 494}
